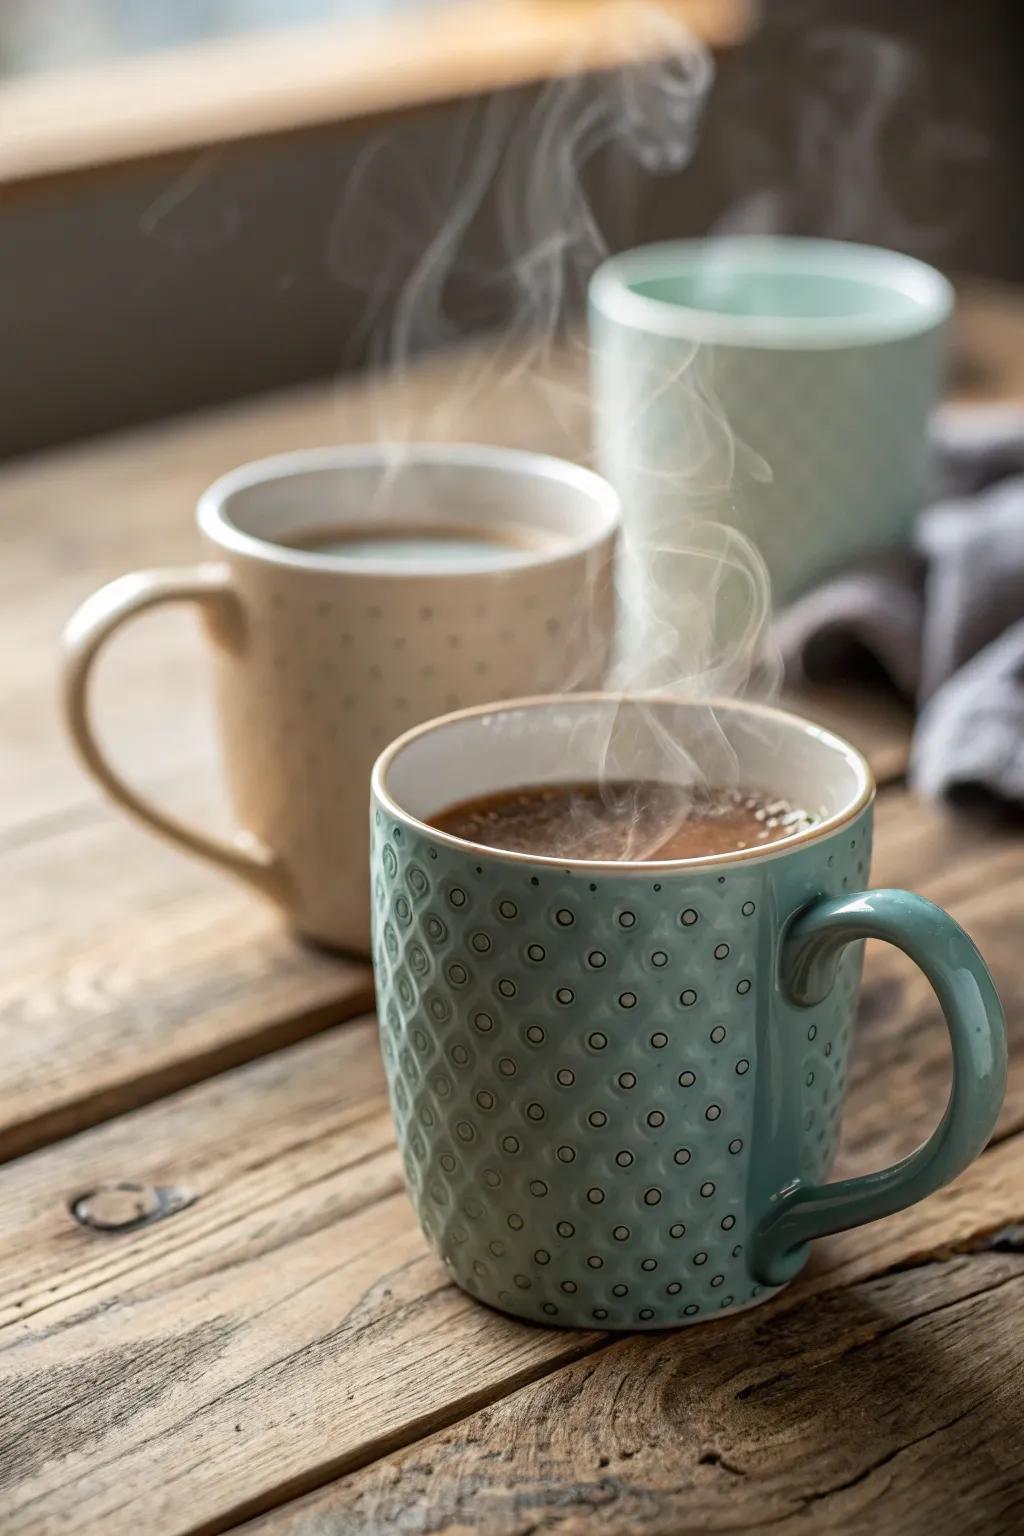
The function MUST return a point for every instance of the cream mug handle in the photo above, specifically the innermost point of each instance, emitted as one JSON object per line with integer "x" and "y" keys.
{"x": 87, "y": 632}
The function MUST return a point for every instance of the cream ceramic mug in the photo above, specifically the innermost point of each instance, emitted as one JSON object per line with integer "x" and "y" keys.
{"x": 458, "y": 575}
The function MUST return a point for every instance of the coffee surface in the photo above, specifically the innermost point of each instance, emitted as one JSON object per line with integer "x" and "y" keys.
{"x": 625, "y": 820}
{"x": 420, "y": 543}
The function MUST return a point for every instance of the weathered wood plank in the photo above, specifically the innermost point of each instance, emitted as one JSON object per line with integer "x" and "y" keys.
{"x": 253, "y": 85}
{"x": 296, "y": 1298}
{"x": 248, "y": 1140}
{"x": 893, "y": 1405}
{"x": 289, "y": 1317}
{"x": 127, "y": 971}
{"x": 289, "y": 1326}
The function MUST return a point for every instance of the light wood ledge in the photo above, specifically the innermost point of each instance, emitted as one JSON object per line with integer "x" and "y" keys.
{"x": 246, "y": 87}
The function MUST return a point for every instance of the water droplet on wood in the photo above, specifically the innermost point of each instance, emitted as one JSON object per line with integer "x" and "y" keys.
{"x": 126, "y": 1205}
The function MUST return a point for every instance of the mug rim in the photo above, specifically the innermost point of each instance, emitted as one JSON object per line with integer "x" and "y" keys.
{"x": 779, "y": 849}
{"x": 214, "y": 521}
{"x": 613, "y": 295}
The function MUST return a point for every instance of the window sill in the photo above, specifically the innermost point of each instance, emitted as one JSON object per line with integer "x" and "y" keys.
{"x": 272, "y": 83}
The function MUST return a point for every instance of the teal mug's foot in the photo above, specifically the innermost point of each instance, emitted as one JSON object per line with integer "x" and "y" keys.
{"x": 594, "y": 1314}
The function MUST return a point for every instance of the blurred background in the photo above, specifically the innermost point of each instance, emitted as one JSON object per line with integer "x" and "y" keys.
{"x": 213, "y": 198}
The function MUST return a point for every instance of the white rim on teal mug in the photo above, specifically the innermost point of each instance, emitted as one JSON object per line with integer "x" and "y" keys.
{"x": 618, "y": 1085}
{"x": 470, "y": 773}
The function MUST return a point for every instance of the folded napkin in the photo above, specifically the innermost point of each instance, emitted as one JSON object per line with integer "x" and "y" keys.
{"x": 943, "y": 621}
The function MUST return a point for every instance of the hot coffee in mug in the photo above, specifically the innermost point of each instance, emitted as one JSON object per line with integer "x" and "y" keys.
{"x": 618, "y": 1079}
{"x": 413, "y": 545}
{"x": 348, "y": 593}
{"x": 639, "y": 819}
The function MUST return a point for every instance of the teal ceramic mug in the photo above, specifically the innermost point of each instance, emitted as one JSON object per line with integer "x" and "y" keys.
{"x": 779, "y": 386}
{"x": 618, "y": 1087}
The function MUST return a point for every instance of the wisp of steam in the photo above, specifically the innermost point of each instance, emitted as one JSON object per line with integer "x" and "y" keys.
{"x": 530, "y": 157}
{"x": 871, "y": 148}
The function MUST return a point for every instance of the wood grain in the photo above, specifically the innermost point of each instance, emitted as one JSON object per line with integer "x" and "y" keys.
{"x": 285, "y": 1320}
{"x": 892, "y": 1405}
{"x": 155, "y": 973}
{"x": 248, "y": 1140}
{"x": 294, "y": 1297}
{"x": 243, "y": 87}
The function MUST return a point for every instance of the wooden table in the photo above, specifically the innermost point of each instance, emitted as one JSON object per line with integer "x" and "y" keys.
{"x": 280, "y": 1347}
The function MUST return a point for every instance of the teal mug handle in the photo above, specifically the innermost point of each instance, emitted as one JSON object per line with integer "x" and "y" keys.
{"x": 974, "y": 1017}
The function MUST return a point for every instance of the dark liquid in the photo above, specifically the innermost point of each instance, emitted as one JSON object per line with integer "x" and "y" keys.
{"x": 623, "y": 820}
{"x": 420, "y": 543}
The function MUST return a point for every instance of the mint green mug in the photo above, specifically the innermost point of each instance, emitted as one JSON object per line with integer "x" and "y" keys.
{"x": 779, "y": 386}
{"x": 618, "y": 1087}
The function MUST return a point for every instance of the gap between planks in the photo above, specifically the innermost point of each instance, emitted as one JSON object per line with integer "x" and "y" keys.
{"x": 971, "y": 1224}
{"x": 621, "y": 1439}
{"x": 963, "y": 1219}
{"x": 296, "y": 1297}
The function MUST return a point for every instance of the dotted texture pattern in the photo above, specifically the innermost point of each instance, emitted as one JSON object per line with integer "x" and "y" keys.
{"x": 331, "y": 666}
{"x": 575, "y": 1062}
{"x": 843, "y": 431}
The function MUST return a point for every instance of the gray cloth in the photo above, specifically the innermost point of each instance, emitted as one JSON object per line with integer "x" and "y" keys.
{"x": 942, "y": 622}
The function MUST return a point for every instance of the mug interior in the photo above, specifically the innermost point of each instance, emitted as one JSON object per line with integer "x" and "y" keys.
{"x": 582, "y": 737}
{"x": 762, "y": 290}
{"x": 535, "y": 507}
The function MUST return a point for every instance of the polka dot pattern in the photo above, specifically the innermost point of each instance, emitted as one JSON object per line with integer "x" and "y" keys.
{"x": 845, "y": 427}
{"x": 335, "y": 666}
{"x": 580, "y": 1125}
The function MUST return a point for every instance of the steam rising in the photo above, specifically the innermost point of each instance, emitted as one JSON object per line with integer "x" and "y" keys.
{"x": 535, "y": 157}
{"x": 532, "y": 155}
{"x": 869, "y": 148}
{"x": 693, "y": 590}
